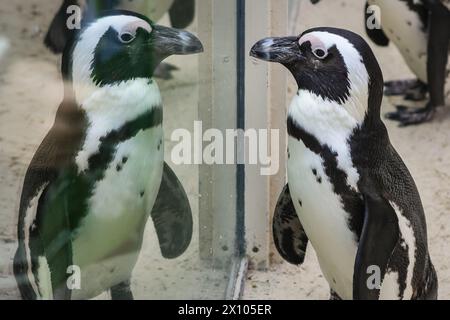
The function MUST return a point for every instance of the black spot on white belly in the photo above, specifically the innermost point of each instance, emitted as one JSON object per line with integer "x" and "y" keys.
{"x": 159, "y": 145}
{"x": 300, "y": 203}
{"x": 142, "y": 194}
{"x": 318, "y": 178}
{"x": 124, "y": 160}
{"x": 119, "y": 168}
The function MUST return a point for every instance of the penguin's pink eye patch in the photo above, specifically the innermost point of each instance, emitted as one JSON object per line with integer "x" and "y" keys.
{"x": 128, "y": 32}
{"x": 318, "y": 48}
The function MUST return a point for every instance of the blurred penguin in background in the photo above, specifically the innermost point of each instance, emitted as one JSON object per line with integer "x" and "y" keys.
{"x": 420, "y": 29}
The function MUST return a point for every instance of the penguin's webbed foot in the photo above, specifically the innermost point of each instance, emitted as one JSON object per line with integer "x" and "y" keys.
{"x": 334, "y": 296}
{"x": 406, "y": 117}
{"x": 122, "y": 291}
{"x": 412, "y": 90}
{"x": 164, "y": 71}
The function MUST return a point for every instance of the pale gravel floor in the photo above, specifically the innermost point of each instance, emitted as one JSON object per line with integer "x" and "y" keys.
{"x": 425, "y": 150}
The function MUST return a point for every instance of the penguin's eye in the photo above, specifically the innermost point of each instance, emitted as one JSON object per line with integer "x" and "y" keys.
{"x": 320, "y": 53}
{"x": 126, "y": 37}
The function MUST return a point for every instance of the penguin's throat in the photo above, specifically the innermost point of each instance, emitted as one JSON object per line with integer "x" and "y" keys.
{"x": 317, "y": 115}
{"x": 130, "y": 92}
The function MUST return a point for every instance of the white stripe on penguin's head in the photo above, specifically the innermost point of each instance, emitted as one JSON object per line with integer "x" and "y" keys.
{"x": 84, "y": 50}
{"x": 342, "y": 58}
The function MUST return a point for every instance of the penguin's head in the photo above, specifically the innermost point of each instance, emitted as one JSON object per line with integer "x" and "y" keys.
{"x": 335, "y": 65}
{"x": 120, "y": 46}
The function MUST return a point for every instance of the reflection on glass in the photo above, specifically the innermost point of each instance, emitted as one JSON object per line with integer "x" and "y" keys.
{"x": 105, "y": 165}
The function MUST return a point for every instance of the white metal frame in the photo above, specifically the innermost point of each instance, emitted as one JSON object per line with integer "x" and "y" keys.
{"x": 266, "y": 91}
{"x": 265, "y": 108}
{"x": 217, "y": 109}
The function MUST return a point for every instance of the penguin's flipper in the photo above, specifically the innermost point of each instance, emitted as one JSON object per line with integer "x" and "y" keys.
{"x": 379, "y": 237}
{"x": 54, "y": 235}
{"x": 58, "y": 34}
{"x": 29, "y": 244}
{"x": 376, "y": 35}
{"x": 182, "y": 13}
{"x": 172, "y": 216}
{"x": 288, "y": 233}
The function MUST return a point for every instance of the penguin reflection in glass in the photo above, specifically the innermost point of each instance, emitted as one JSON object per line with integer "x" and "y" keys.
{"x": 420, "y": 29}
{"x": 181, "y": 13}
{"x": 348, "y": 191}
{"x": 100, "y": 171}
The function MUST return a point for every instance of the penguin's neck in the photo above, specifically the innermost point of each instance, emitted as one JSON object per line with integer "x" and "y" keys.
{"x": 111, "y": 106}
{"x": 328, "y": 121}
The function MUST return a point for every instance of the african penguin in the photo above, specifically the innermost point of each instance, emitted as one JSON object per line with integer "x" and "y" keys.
{"x": 100, "y": 171}
{"x": 181, "y": 13}
{"x": 348, "y": 191}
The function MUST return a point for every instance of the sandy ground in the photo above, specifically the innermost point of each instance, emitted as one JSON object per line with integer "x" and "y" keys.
{"x": 425, "y": 150}
{"x": 30, "y": 92}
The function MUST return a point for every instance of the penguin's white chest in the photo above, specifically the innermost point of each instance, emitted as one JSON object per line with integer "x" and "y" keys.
{"x": 323, "y": 217}
{"x": 107, "y": 243}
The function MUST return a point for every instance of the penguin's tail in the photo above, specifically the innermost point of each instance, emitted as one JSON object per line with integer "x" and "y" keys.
{"x": 429, "y": 286}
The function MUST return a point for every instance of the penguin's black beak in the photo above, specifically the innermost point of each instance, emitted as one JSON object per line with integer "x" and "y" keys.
{"x": 169, "y": 41}
{"x": 281, "y": 50}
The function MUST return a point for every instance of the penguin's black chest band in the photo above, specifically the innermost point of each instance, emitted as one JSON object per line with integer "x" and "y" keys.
{"x": 99, "y": 161}
{"x": 350, "y": 198}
